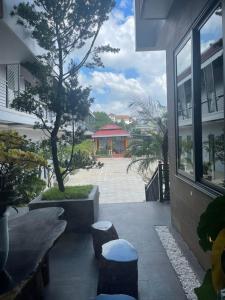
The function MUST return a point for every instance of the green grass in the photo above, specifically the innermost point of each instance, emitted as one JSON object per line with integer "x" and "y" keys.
{"x": 71, "y": 192}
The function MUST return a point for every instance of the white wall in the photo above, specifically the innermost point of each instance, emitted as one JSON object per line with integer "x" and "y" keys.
{"x": 22, "y": 34}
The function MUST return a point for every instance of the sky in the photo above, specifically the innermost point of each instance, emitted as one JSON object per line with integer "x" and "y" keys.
{"x": 128, "y": 75}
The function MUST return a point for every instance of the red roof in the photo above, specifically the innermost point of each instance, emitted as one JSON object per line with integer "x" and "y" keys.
{"x": 110, "y": 130}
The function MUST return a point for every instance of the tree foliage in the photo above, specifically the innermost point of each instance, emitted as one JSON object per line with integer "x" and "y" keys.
{"x": 208, "y": 228}
{"x": 83, "y": 156}
{"x": 153, "y": 145}
{"x": 206, "y": 291}
{"x": 129, "y": 127}
{"x": 19, "y": 169}
{"x": 211, "y": 233}
{"x": 146, "y": 149}
{"x": 67, "y": 31}
{"x": 101, "y": 119}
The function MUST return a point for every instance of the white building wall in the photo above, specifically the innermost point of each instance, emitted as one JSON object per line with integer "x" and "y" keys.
{"x": 22, "y": 34}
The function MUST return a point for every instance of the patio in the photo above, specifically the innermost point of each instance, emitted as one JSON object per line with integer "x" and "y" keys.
{"x": 115, "y": 183}
{"x": 74, "y": 270}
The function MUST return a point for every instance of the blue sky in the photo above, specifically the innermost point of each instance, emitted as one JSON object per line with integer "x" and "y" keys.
{"x": 128, "y": 75}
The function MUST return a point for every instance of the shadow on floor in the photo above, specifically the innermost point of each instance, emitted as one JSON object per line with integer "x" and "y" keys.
{"x": 74, "y": 269}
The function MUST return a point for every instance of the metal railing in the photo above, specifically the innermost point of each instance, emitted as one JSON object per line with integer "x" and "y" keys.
{"x": 6, "y": 94}
{"x": 152, "y": 188}
{"x": 164, "y": 193}
{"x": 158, "y": 187}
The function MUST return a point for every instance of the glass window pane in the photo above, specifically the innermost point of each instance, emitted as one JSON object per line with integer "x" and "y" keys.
{"x": 212, "y": 98}
{"x": 184, "y": 109}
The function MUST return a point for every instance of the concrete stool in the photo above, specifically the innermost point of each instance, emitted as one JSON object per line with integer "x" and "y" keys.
{"x": 118, "y": 273}
{"x": 114, "y": 297}
{"x": 102, "y": 232}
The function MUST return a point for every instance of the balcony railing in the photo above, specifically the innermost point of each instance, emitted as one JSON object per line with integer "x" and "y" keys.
{"x": 3, "y": 93}
{"x": 158, "y": 186}
{"x": 6, "y": 94}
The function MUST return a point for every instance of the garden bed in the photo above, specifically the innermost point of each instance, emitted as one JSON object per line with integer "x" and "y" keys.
{"x": 79, "y": 213}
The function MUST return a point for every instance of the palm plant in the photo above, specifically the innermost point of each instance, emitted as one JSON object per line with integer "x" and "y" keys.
{"x": 153, "y": 146}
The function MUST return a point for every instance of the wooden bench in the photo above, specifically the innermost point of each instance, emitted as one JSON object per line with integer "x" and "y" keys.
{"x": 31, "y": 235}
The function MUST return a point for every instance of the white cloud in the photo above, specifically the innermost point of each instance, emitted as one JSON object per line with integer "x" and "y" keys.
{"x": 123, "y": 36}
{"x": 120, "y": 91}
{"x": 146, "y": 68}
{"x": 123, "y": 3}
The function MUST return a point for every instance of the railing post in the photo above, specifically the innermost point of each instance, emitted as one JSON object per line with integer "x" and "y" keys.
{"x": 166, "y": 183}
{"x": 160, "y": 178}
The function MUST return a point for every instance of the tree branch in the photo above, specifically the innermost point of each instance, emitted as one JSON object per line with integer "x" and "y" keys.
{"x": 74, "y": 69}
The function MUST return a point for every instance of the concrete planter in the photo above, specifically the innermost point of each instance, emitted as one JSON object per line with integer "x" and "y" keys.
{"x": 79, "y": 213}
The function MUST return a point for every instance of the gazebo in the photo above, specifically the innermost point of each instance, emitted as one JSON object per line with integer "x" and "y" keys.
{"x": 111, "y": 139}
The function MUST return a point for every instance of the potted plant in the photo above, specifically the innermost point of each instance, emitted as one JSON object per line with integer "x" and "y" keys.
{"x": 211, "y": 233}
{"x": 80, "y": 204}
{"x": 19, "y": 181}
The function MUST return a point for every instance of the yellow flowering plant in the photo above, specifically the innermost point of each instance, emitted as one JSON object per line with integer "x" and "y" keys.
{"x": 19, "y": 169}
{"x": 211, "y": 233}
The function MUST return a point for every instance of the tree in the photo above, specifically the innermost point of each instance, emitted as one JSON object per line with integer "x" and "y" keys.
{"x": 19, "y": 170}
{"x": 63, "y": 28}
{"x": 146, "y": 149}
{"x": 129, "y": 127}
{"x": 101, "y": 119}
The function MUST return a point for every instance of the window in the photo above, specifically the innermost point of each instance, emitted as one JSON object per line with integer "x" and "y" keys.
{"x": 208, "y": 107}
{"x": 184, "y": 109}
{"x": 212, "y": 98}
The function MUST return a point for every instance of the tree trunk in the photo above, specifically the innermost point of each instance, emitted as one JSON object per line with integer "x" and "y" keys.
{"x": 56, "y": 164}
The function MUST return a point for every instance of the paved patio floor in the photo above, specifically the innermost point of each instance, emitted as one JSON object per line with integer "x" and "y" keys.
{"x": 74, "y": 269}
{"x": 115, "y": 184}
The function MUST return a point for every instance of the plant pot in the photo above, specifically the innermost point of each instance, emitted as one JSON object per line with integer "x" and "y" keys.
{"x": 4, "y": 240}
{"x": 80, "y": 214}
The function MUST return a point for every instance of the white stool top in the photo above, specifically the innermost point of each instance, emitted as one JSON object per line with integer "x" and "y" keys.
{"x": 119, "y": 250}
{"x": 116, "y": 297}
{"x": 102, "y": 225}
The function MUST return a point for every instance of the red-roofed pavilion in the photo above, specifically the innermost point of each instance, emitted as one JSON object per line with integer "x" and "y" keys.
{"x": 111, "y": 139}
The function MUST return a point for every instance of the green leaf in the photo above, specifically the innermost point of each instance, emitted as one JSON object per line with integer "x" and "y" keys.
{"x": 206, "y": 291}
{"x": 208, "y": 229}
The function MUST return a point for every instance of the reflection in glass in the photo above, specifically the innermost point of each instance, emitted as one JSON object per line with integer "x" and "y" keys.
{"x": 184, "y": 109}
{"x": 212, "y": 98}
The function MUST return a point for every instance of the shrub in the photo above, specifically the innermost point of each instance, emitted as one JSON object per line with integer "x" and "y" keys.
{"x": 71, "y": 192}
{"x": 19, "y": 169}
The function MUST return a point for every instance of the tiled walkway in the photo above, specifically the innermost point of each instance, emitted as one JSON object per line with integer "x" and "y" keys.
{"x": 74, "y": 269}
{"x": 115, "y": 184}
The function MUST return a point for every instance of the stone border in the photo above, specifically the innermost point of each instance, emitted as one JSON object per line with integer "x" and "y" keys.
{"x": 180, "y": 264}
{"x": 80, "y": 214}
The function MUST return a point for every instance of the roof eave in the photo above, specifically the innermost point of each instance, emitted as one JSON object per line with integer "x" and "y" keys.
{"x": 148, "y": 30}
{"x": 119, "y": 135}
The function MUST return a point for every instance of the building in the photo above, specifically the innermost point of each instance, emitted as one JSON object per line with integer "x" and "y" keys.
{"x": 16, "y": 48}
{"x": 121, "y": 118}
{"x": 192, "y": 34}
{"x": 111, "y": 140}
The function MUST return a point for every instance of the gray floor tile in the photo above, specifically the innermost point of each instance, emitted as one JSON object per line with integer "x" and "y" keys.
{"x": 74, "y": 270}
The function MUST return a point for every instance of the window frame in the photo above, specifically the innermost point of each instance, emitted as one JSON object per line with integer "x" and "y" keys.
{"x": 178, "y": 50}
{"x": 194, "y": 35}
